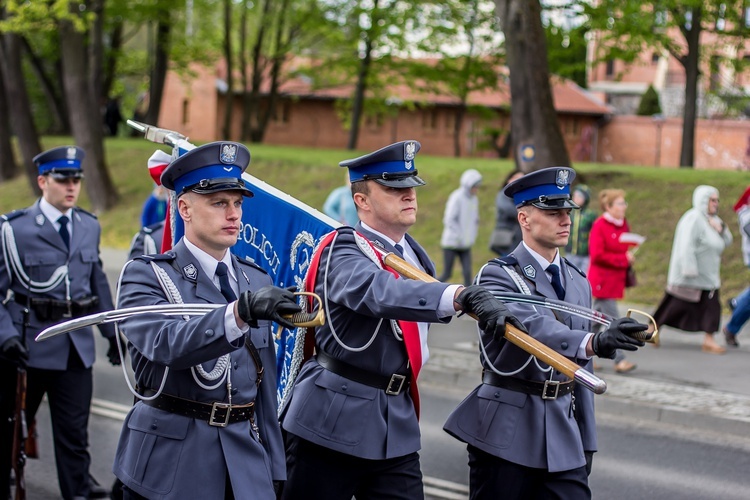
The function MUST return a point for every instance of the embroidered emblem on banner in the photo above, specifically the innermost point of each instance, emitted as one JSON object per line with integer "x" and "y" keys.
{"x": 228, "y": 153}
{"x": 529, "y": 271}
{"x": 190, "y": 271}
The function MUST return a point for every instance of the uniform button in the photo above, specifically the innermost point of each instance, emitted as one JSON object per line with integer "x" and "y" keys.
{"x": 497, "y": 395}
{"x": 209, "y": 332}
{"x": 235, "y": 391}
{"x": 344, "y": 387}
{"x": 154, "y": 426}
{"x": 422, "y": 302}
{"x": 564, "y": 345}
{"x": 236, "y": 365}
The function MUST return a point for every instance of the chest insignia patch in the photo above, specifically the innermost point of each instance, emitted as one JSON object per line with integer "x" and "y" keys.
{"x": 529, "y": 271}
{"x": 39, "y": 219}
{"x": 191, "y": 272}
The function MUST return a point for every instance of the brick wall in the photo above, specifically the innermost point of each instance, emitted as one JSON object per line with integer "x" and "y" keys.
{"x": 639, "y": 140}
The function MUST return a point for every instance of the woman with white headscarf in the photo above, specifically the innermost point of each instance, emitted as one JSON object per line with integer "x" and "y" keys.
{"x": 691, "y": 301}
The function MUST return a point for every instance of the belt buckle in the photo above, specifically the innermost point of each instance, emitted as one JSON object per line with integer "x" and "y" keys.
{"x": 212, "y": 419}
{"x": 553, "y": 383}
{"x": 398, "y": 380}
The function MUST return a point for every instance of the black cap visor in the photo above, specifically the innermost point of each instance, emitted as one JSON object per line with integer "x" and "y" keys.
{"x": 65, "y": 173}
{"x": 208, "y": 186}
{"x": 552, "y": 202}
{"x": 399, "y": 180}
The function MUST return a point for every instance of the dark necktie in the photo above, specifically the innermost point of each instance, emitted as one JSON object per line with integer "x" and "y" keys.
{"x": 556, "y": 282}
{"x": 399, "y": 249}
{"x": 64, "y": 234}
{"x": 226, "y": 288}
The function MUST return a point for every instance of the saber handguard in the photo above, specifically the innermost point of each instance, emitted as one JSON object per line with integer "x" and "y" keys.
{"x": 307, "y": 319}
{"x": 651, "y": 334}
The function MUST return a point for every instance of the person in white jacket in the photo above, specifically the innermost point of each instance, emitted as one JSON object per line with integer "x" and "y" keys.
{"x": 460, "y": 225}
{"x": 691, "y": 301}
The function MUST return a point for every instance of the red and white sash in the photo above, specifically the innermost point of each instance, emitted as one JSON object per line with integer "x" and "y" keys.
{"x": 409, "y": 329}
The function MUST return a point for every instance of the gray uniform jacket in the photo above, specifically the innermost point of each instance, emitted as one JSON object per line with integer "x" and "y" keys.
{"x": 515, "y": 426}
{"x": 340, "y": 414}
{"x": 41, "y": 251}
{"x": 165, "y": 455}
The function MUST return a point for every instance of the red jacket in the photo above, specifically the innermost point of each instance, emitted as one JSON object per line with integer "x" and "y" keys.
{"x": 609, "y": 262}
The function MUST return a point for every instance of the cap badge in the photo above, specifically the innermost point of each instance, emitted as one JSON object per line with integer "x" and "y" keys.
{"x": 228, "y": 153}
{"x": 190, "y": 271}
{"x": 529, "y": 271}
{"x": 410, "y": 151}
{"x": 71, "y": 153}
{"x": 562, "y": 178}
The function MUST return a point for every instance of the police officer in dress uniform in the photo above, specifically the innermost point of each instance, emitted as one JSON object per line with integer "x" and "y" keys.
{"x": 147, "y": 241}
{"x": 207, "y": 424}
{"x": 50, "y": 271}
{"x": 352, "y": 422}
{"x": 528, "y": 436}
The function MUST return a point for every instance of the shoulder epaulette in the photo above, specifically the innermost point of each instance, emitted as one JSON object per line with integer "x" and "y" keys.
{"x": 159, "y": 257}
{"x": 79, "y": 209}
{"x": 12, "y": 215}
{"x": 574, "y": 267}
{"x": 508, "y": 260}
{"x": 250, "y": 262}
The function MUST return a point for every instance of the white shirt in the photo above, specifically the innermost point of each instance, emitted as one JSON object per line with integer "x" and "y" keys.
{"x": 445, "y": 307}
{"x": 52, "y": 214}
{"x": 544, "y": 264}
{"x": 208, "y": 264}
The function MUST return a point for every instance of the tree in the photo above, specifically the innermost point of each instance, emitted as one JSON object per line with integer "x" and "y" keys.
{"x": 8, "y": 168}
{"x": 625, "y": 28}
{"x": 20, "y": 110}
{"x": 229, "y": 61}
{"x": 537, "y": 140}
{"x": 471, "y": 25}
{"x": 85, "y": 115}
{"x": 566, "y": 51}
{"x": 649, "y": 104}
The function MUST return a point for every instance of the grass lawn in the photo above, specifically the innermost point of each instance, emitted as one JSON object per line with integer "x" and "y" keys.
{"x": 657, "y": 198}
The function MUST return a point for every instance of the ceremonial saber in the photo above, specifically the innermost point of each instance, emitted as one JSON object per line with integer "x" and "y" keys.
{"x": 513, "y": 334}
{"x": 650, "y": 335}
{"x": 300, "y": 319}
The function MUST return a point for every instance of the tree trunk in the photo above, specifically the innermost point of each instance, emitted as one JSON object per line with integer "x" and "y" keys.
{"x": 20, "y": 108}
{"x": 457, "y": 126}
{"x": 8, "y": 167}
{"x": 159, "y": 71}
{"x": 55, "y": 101}
{"x": 85, "y": 117}
{"x": 96, "y": 55}
{"x": 252, "y": 101}
{"x": 230, "y": 69}
{"x": 281, "y": 48}
{"x": 690, "y": 62}
{"x": 537, "y": 140}
{"x": 110, "y": 64}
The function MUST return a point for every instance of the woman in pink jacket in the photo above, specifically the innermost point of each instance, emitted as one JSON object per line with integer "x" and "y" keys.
{"x": 610, "y": 260}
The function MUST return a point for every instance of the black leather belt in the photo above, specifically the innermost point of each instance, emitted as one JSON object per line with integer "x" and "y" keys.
{"x": 47, "y": 309}
{"x": 216, "y": 414}
{"x": 393, "y": 384}
{"x": 549, "y": 389}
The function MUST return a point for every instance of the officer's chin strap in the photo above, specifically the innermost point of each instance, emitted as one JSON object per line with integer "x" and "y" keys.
{"x": 15, "y": 268}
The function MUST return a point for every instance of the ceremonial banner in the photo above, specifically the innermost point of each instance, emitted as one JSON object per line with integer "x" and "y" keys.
{"x": 279, "y": 233}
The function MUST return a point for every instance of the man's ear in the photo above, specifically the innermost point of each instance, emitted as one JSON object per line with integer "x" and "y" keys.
{"x": 523, "y": 218}
{"x": 183, "y": 208}
{"x": 360, "y": 199}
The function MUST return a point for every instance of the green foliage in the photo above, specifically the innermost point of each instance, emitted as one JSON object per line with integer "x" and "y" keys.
{"x": 649, "y": 104}
{"x": 566, "y": 52}
{"x": 310, "y": 174}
